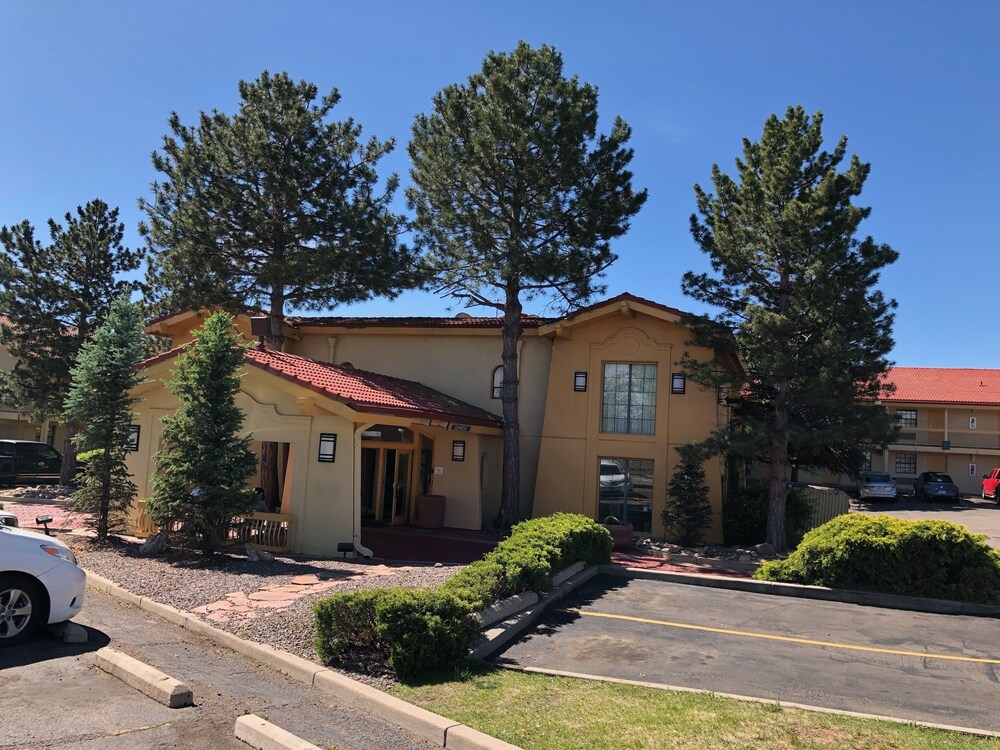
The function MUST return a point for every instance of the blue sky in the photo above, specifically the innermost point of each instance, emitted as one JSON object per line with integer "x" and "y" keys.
{"x": 87, "y": 89}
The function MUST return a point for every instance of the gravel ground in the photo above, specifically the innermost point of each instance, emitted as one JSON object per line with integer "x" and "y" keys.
{"x": 185, "y": 580}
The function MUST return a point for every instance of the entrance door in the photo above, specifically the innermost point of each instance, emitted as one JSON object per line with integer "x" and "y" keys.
{"x": 393, "y": 489}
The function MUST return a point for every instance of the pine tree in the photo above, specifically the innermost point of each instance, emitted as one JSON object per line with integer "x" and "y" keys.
{"x": 54, "y": 296}
{"x": 204, "y": 461}
{"x": 517, "y": 196}
{"x": 688, "y": 511}
{"x": 275, "y": 208}
{"x": 798, "y": 288}
{"x": 100, "y": 401}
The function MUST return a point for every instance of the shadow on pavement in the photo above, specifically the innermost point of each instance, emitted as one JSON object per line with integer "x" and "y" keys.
{"x": 561, "y": 615}
{"x": 44, "y": 646}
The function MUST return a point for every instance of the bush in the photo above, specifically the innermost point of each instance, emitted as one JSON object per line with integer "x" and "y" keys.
{"x": 526, "y": 559}
{"x": 688, "y": 511}
{"x": 419, "y": 631}
{"x": 938, "y": 559}
{"x": 744, "y": 516}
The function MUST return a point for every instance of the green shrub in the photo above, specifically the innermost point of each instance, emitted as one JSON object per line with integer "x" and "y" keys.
{"x": 526, "y": 559}
{"x": 938, "y": 559}
{"x": 417, "y": 631}
{"x": 744, "y": 516}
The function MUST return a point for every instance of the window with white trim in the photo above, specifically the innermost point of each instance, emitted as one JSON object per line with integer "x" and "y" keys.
{"x": 906, "y": 463}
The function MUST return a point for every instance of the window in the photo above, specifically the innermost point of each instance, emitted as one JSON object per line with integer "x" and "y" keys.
{"x": 625, "y": 490}
{"x": 906, "y": 463}
{"x": 629, "y": 403}
{"x": 906, "y": 417}
{"x": 677, "y": 382}
{"x": 497, "y": 382}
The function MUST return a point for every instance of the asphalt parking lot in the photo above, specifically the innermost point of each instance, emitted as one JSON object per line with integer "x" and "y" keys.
{"x": 980, "y": 516}
{"x": 908, "y": 665}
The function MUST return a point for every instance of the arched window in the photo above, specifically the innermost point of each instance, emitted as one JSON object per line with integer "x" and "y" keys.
{"x": 497, "y": 382}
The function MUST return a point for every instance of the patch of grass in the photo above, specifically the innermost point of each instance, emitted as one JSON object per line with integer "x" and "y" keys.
{"x": 537, "y": 712}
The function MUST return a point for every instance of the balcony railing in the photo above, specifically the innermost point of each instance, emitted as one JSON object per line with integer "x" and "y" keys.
{"x": 270, "y": 532}
{"x": 957, "y": 439}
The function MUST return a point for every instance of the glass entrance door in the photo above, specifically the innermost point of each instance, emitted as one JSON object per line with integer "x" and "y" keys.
{"x": 401, "y": 495}
{"x": 394, "y": 485}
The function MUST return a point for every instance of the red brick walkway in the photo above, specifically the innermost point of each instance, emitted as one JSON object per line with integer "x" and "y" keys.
{"x": 648, "y": 562}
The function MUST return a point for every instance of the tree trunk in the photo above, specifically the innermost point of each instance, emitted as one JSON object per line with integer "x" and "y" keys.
{"x": 104, "y": 506}
{"x": 778, "y": 490}
{"x": 269, "y": 450}
{"x": 510, "y": 493}
{"x": 67, "y": 474}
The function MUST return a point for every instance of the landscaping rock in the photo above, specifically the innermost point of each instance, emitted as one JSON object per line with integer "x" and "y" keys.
{"x": 765, "y": 550}
{"x": 154, "y": 545}
{"x": 258, "y": 555}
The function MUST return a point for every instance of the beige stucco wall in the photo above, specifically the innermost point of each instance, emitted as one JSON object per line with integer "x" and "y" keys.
{"x": 320, "y": 496}
{"x": 458, "y": 363}
{"x": 572, "y": 442}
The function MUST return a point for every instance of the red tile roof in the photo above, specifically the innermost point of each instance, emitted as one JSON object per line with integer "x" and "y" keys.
{"x": 623, "y": 297}
{"x": 944, "y": 385}
{"x": 362, "y": 391}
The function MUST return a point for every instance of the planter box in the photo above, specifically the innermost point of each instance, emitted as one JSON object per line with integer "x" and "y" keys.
{"x": 621, "y": 534}
{"x": 430, "y": 512}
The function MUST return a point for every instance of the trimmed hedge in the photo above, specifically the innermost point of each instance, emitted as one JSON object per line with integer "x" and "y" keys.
{"x": 937, "y": 559}
{"x": 417, "y": 631}
{"x": 526, "y": 559}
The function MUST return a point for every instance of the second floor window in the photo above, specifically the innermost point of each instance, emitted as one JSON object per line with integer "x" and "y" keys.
{"x": 498, "y": 382}
{"x": 629, "y": 398}
{"x": 906, "y": 417}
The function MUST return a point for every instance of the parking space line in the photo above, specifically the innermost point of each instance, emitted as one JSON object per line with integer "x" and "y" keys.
{"x": 786, "y": 638}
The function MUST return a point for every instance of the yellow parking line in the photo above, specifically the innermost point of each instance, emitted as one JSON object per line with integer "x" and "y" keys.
{"x": 786, "y": 638}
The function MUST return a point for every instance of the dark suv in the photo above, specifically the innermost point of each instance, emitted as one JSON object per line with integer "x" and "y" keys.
{"x": 28, "y": 462}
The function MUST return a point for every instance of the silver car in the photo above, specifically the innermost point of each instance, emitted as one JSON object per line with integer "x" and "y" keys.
{"x": 876, "y": 485}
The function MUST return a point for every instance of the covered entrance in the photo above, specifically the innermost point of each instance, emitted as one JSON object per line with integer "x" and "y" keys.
{"x": 390, "y": 474}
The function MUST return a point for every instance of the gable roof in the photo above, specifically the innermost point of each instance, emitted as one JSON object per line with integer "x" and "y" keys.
{"x": 625, "y": 302}
{"x": 459, "y": 321}
{"x": 362, "y": 391}
{"x": 944, "y": 385}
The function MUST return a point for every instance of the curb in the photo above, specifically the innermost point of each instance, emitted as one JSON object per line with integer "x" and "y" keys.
{"x": 424, "y": 724}
{"x": 492, "y": 640}
{"x": 820, "y": 593}
{"x": 750, "y": 699}
{"x": 722, "y": 566}
{"x": 264, "y": 735}
{"x": 161, "y": 687}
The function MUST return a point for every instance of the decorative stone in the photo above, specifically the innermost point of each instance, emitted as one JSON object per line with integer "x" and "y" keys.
{"x": 154, "y": 545}
{"x": 765, "y": 550}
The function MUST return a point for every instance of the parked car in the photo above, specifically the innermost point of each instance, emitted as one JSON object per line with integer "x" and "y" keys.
{"x": 613, "y": 480}
{"x": 40, "y": 583}
{"x": 876, "y": 485}
{"x": 990, "y": 482}
{"x": 933, "y": 485}
{"x": 28, "y": 462}
{"x": 7, "y": 518}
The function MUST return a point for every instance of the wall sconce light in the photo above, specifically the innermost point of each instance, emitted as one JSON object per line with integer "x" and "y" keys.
{"x": 457, "y": 450}
{"x": 579, "y": 381}
{"x": 327, "y": 448}
{"x": 132, "y": 443}
{"x": 678, "y": 383}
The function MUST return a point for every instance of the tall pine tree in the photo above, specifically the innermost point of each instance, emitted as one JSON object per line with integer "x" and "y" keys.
{"x": 100, "y": 401}
{"x": 204, "y": 460}
{"x": 799, "y": 289}
{"x": 277, "y": 208}
{"x": 516, "y": 197}
{"x": 54, "y": 296}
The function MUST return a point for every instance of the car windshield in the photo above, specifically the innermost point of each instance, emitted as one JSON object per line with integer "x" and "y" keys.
{"x": 939, "y": 478}
{"x": 877, "y": 478}
{"x": 610, "y": 469}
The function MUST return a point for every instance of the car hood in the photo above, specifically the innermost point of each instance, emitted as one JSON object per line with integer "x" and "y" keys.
{"x": 31, "y": 536}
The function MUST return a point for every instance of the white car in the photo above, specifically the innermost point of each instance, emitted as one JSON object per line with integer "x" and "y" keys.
{"x": 7, "y": 518}
{"x": 40, "y": 583}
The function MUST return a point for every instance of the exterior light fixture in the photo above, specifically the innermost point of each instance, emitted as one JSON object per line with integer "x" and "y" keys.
{"x": 132, "y": 443}
{"x": 677, "y": 382}
{"x": 579, "y": 381}
{"x": 457, "y": 450}
{"x": 327, "y": 447}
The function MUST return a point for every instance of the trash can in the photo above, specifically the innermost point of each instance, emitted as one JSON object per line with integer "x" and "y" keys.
{"x": 430, "y": 511}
